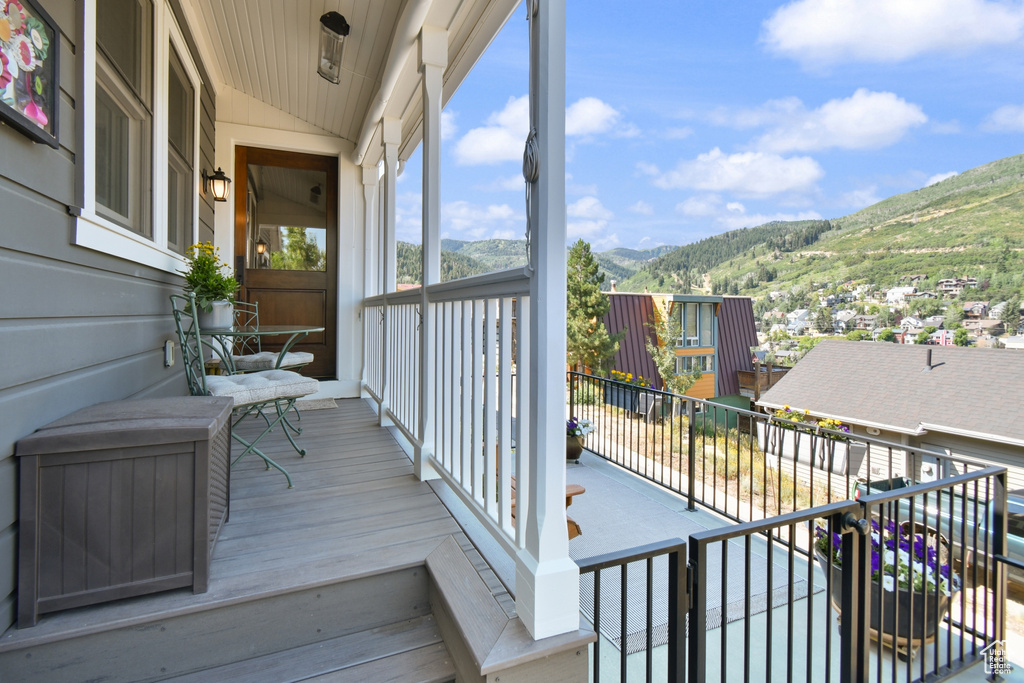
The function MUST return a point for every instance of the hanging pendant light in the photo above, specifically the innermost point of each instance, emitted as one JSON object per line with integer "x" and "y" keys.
{"x": 333, "y": 29}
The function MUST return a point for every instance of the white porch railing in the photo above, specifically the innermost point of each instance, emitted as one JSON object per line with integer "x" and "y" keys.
{"x": 478, "y": 408}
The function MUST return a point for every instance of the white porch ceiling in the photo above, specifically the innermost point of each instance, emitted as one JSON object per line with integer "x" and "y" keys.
{"x": 267, "y": 49}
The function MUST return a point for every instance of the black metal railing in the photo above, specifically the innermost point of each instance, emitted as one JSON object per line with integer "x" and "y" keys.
{"x": 663, "y": 590}
{"x": 740, "y": 463}
{"x": 913, "y": 573}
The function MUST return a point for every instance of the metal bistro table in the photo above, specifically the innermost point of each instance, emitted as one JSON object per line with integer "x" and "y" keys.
{"x": 225, "y": 338}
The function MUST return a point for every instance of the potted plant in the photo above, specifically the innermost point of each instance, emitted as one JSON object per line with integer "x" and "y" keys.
{"x": 794, "y": 434}
{"x": 626, "y": 394}
{"x": 911, "y": 569}
{"x": 214, "y": 290}
{"x": 575, "y": 431}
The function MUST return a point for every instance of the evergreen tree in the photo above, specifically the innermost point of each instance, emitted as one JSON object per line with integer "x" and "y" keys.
{"x": 823, "y": 320}
{"x": 1011, "y": 315}
{"x": 587, "y": 341}
{"x": 962, "y": 337}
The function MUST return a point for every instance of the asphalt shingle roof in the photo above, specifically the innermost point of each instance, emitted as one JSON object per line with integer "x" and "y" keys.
{"x": 975, "y": 391}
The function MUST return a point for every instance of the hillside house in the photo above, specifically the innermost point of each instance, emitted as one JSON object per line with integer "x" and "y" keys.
{"x": 151, "y": 96}
{"x": 914, "y": 396}
{"x": 897, "y": 296}
{"x": 987, "y": 327}
{"x": 953, "y": 287}
{"x": 842, "y": 319}
{"x": 975, "y": 310}
{"x": 864, "y": 322}
{"x": 717, "y": 334}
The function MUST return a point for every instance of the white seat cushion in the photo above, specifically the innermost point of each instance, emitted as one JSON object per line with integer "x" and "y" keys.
{"x": 266, "y": 360}
{"x": 261, "y": 387}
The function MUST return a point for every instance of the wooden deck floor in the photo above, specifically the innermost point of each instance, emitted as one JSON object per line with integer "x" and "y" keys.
{"x": 356, "y": 510}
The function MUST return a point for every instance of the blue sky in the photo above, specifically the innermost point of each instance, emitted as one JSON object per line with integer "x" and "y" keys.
{"x": 688, "y": 118}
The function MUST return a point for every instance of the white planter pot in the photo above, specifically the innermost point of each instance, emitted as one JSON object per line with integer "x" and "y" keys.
{"x": 820, "y": 452}
{"x": 220, "y": 317}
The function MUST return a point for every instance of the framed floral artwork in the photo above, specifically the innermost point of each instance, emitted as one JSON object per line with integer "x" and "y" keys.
{"x": 29, "y": 69}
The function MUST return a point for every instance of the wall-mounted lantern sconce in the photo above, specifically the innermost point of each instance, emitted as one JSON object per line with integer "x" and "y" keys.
{"x": 218, "y": 183}
{"x": 261, "y": 246}
{"x": 333, "y": 29}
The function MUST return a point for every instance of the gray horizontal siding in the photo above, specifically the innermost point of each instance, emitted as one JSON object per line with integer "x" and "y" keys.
{"x": 80, "y": 327}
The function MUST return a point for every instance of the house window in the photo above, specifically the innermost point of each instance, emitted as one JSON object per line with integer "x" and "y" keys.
{"x": 180, "y": 172}
{"x": 687, "y": 364}
{"x": 139, "y": 167}
{"x": 696, "y": 325}
{"x": 124, "y": 65}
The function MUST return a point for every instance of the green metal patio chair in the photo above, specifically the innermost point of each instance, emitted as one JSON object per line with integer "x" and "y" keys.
{"x": 252, "y": 392}
{"x": 248, "y": 354}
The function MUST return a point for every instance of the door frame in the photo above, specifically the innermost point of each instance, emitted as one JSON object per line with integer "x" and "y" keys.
{"x": 327, "y": 163}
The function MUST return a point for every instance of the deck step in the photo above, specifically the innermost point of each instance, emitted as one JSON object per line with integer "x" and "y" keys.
{"x": 346, "y": 615}
{"x": 410, "y": 651}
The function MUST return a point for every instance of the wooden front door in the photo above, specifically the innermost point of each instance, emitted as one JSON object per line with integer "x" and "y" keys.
{"x": 286, "y": 246}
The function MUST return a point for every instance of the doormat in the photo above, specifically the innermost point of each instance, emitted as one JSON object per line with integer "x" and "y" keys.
{"x": 316, "y": 404}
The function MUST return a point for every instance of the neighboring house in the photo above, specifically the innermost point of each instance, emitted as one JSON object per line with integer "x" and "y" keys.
{"x": 841, "y": 320}
{"x": 989, "y": 327}
{"x": 152, "y": 101}
{"x": 975, "y": 310}
{"x": 897, "y": 295}
{"x": 1014, "y": 342}
{"x": 937, "y": 321}
{"x": 941, "y": 338}
{"x": 912, "y": 323}
{"x": 864, "y": 322}
{"x": 952, "y": 399}
{"x": 717, "y": 335}
{"x": 953, "y": 287}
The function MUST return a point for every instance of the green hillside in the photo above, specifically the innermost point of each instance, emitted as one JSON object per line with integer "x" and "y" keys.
{"x": 969, "y": 225}
{"x": 453, "y": 265}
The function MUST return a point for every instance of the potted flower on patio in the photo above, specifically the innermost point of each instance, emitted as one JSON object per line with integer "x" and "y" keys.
{"x": 576, "y": 430}
{"x": 214, "y": 290}
{"x": 906, "y": 567}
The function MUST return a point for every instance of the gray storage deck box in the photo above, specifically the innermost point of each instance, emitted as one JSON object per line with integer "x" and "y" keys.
{"x": 121, "y": 499}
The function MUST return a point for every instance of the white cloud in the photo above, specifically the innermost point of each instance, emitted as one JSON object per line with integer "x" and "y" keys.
{"x": 754, "y": 174}
{"x": 706, "y": 205}
{"x": 588, "y": 207}
{"x": 592, "y": 218}
{"x": 865, "y": 196}
{"x": 735, "y": 207}
{"x": 605, "y": 243}
{"x": 512, "y": 183}
{"x": 1006, "y": 119}
{"x": 819, "y": 32}
{"x": 865, "y": 120}
{"x": 464, "y": 220}
{"x": 504, "y": 134}
{"x": 647, "y": 168}
{"x": 939, "y": 177}
{"x": 501, "y": 139}
{"x": 589, "y": 116}
{"x": 642, "y": 208}
{"x": 449, "y": 129}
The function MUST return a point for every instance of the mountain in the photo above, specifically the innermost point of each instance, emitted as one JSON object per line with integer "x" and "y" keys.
{"x": 453, "y": 265}
{"x": 494, "y": 254}
{"x": 966, "y": 225}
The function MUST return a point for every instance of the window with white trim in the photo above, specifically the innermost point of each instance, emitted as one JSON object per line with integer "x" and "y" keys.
{"x": 696, "y": 324}
{"x": 139, "y": 161}
{"x": 687, "y": 364}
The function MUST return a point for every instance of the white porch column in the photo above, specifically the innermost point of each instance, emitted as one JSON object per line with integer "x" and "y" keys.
{"x": 370, "y": 230}
{"x": 370, "y": 261}
{"x": 391, "y": 138}
{"x": 547, "y": 581}
{"x": 433, "y": 54}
